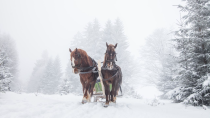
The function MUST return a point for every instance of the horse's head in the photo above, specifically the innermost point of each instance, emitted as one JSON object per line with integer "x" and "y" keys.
{"x": 110, "y": 56}
{"x": 75, "y": 58}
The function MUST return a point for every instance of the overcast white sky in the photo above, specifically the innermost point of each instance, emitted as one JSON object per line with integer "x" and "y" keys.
{"x": 38, "y": 25}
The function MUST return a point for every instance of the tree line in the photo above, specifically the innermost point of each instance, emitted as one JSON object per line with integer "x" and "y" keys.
{"x": 180, "y": 65}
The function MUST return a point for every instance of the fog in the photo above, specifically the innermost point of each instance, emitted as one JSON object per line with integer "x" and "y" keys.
{"x": 38, "y": 25}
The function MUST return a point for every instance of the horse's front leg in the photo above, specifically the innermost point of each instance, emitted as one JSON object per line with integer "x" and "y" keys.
{"x": 107, "y": 93}
{"x": 83, "y": 89}
{"x": 91, "y": 88}
{"x": 86, "y": 97}
{"x": 113, "y": 94}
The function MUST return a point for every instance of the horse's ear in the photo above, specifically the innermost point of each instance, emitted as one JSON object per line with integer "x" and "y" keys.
{"x": 70, "y": 50}
{"x": 107, "y": 44}
{"x": 76, "y": 50}
{"x": 115, "y": 45}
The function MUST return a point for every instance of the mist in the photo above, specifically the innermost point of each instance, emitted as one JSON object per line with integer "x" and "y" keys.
{"x": 51, "y": 25}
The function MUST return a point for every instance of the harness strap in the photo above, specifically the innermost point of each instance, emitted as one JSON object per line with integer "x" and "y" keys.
{"x": 91, "y": 71}
{"x": 86, "y": 68}
{"x": 111, "y": 77}
{"x": 103, "y": 68}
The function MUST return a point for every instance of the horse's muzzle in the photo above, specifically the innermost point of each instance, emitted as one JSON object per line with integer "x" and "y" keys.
{"x": 75, "y": 71}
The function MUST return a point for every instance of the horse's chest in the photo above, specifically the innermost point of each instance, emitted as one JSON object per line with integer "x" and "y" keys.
{"x": 86, "y": 77}
{"x": 108, "y": 74}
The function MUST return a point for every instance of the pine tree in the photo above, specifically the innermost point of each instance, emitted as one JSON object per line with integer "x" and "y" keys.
{"x": 51, "y": 77}
{"x": 7, "y": 45}
{"x": 193, "y": 43}
{"x": 34, "y": 84}
{"x": 5, "y": 73}
{"x": 158, "y": 60}
{"x": 97, "y": 44}
{"x": 73, "y": 80}
{"x": 107, "y": 34}
{"x": 65, "y": 87}
{"x": 57, "y": 74}
{"x": 92, "y": 40}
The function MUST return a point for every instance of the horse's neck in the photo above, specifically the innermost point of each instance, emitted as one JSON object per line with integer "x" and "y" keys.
{"x": 104, "y": 63}
{"x": 85, "y": 61}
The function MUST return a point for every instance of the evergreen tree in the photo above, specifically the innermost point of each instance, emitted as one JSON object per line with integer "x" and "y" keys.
{"x": 65, "y": 87}
{"x": 78, "y": 40}
{"x": 97, "y": 44}
{"x": 5, "y": 73}
{"x": 57, "y": 71}
{"x": 158, "y": 60}
{"x": 92, "y": 42}
{"x": 34, "y": 84}
{"x": 193, "y": 43}
{"x": 51, "y": 77}
{"x": 73, "y": 80}
{"x": 46, "y": 75}
{"x": 107, "y": 34}
{"x": 46, "y": 81}
{"x": 8, "y": 48}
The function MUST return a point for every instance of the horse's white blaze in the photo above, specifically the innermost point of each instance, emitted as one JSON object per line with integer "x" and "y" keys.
{"x": 110, "y": 66}
{"x": 73, "y": 64}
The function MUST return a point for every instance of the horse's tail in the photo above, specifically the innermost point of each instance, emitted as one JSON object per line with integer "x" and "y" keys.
{"x": 119, "y": 77}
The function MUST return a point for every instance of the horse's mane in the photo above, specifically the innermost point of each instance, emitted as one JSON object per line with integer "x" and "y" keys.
{"x": 84, "y": 55}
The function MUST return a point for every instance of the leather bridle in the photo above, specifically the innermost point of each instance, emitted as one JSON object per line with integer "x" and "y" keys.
{"x": 79, "y": 65}
{"x": 111, "y": 60}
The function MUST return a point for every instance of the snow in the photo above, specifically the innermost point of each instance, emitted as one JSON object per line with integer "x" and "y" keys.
{"x": 170, "y": 93}
{"x": 13, "y": 105}
{"x": 148, "y": 92}
{"x": 206, "y": 82}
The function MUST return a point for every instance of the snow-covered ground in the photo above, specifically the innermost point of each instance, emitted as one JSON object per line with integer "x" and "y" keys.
{"x": 13, "y": 105}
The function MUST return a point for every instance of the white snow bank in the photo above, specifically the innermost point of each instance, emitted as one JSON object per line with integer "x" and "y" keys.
{"x": 148, "y": 92}
{"x": 14, "y": 105}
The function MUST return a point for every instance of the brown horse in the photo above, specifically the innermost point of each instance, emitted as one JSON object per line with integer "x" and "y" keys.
{"x": 111, "y": 74}
{"x": 87, "y": 69}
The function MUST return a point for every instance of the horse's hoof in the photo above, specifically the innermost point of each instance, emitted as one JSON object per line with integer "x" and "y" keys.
{"x": 106, "y": 104}
{"x": 84, "y": 101}
{"x": 114, "y": 102}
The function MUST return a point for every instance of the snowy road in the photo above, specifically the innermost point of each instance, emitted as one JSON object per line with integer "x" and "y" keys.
{"x": 23, "y": 105}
